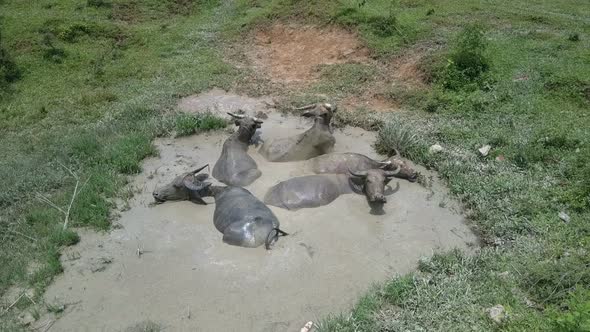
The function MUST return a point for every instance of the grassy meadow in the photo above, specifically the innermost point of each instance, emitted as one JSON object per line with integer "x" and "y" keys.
{"x": 85, "y": 86}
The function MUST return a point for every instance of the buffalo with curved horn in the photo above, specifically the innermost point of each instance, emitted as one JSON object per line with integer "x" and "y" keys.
{"x": 340, "y": 163}
{"x": 242, "y": 218}
{"x": 317, "y": 190}
{"x": 315, "y": 141}
{"x": 235, "y": 167}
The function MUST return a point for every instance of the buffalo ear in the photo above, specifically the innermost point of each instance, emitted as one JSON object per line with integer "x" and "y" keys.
{"x": 237, "y": 123}
{"x": 386, "y": 181}
{"x": 308, "y": 114}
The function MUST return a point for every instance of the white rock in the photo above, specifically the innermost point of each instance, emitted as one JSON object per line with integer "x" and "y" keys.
{"x": 436, "y": 148}
{"x": 497, "y": 313}
{"x": 564, "y": 216}
{"x": 485, "y": 150}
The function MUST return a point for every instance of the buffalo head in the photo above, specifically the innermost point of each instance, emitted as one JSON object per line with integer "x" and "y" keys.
{"x": 322, "y": 112}
{"x": 372, "y": 183}
{"x": 405, "y": 170}
{"x": 246, "y": 126}
{"x": 188, "y": 186}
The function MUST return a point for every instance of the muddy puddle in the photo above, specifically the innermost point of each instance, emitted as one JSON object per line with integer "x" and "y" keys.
{"x": 167, "y": 263}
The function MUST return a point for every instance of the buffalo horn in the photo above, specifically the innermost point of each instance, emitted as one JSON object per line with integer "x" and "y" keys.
{"x": 238, "y": 116}
{"x": 389, "y": 174}
{"x": 304, "y": 108}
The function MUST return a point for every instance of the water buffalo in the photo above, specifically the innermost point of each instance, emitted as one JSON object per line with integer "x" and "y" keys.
{"x": 315, "y": 141}
{"x": 340, "y": 163}
{"x": 235, "y": 167}
{"x": 317, "y": 190}
{"x": 242, "y": 218}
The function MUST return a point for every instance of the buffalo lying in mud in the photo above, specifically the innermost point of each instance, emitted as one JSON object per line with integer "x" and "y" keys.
{"x": 317, "y": 190}
{"x": 315, "y": 141}
{"x": 341, "y": 163}
{"x": 242, "y": 218}
{"x": 235, "y": 167}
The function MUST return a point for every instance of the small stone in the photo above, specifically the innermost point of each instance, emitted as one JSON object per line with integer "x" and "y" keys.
{"x": 500, "y": 158}
{"x": 307, "y": 327}
{"x": 436, "y": 148}
{"x": 485, "y": 150}
{"x": 497, "y": 313}
{"x": 564, "y": 216}
{"x": 504, "y": 275}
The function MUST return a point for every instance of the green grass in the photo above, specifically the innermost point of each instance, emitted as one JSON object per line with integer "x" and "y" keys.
{"x": 189, "y": 124}
{"x": 517, "y": 80}
{"x": 96, "y": 81}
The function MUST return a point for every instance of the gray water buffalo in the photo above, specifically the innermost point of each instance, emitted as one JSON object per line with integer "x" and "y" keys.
{"x": 315, "y": 141}
{"x": 341, "y": 163}
{"x": 235, "y": 167}
{"x": 316, "y": 190}
{"x": 242, "y": 218}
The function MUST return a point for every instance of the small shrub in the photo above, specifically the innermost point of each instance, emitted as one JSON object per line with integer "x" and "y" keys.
{"x": 9, "y": 72}
{"x": 72, "y": 32}
{"x": 50, "y": 51}
{"x": 188, "y": 124}
{"x": 574, "y": 37}
{"x": 384, "y": 26}
{"x": 467, "y": 62}
{"x": 430, "y": 12}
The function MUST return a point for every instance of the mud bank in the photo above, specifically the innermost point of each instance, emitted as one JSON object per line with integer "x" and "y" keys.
{"x": 167, "y": 263}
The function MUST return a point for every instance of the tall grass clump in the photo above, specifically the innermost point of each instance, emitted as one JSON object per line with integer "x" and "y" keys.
{"x": 396, "y": 135}
{"x": 188, "y": 124}
{"x": 468, "y": 61}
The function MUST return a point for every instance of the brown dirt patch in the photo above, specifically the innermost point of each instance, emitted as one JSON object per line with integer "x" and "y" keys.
{"x": 406, "y": 69}
{"x": 292, "y": 54}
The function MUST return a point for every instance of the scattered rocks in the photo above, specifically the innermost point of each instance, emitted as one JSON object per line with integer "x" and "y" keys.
{"x": 485, "y": 150}
{"x": 497, "y": 313}
{"x": 564, "y": 217}
{"x": 436, "y": 148}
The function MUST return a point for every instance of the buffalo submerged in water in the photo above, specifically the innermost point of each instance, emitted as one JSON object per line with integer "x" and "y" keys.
{"x": 242, "y": 218}
{"x": 315, "y": 141}
{"x": 234, "y": 166}
{"x": 342, "y": 163}
{"x": 317, "y": 190}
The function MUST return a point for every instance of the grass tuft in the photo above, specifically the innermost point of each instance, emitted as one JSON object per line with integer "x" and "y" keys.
{"x": 397, "y": 135}
{"x": 189, "y": 124}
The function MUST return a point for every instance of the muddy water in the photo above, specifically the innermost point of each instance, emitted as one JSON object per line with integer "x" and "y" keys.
{"x": 186, "y": 279}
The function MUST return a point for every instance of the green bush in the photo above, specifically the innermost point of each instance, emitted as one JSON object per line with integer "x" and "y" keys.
{"x": 468, "y": 60}
{"x": 188, "y": 124}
